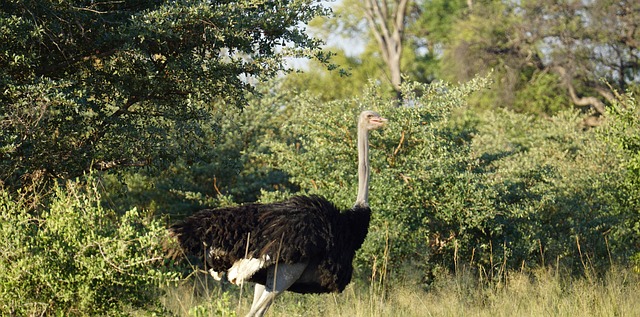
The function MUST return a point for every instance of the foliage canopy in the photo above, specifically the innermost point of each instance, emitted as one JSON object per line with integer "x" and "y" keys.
{"x": 103, "y": 84}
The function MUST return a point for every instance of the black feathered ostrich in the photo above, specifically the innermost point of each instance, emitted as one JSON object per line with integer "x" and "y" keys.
{"x": 303, "y": 245}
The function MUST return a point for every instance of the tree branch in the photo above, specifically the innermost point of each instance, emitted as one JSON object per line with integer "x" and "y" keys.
{"x": 388, "y": 32}
{"x": 48, "y": 69}
{"x": 379, "y": 27}
{"x": 594, "y": 102}
{"x": 103, "y": 165}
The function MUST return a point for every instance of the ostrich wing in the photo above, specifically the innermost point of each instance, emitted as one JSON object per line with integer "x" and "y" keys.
{"x": 293, "y": 231}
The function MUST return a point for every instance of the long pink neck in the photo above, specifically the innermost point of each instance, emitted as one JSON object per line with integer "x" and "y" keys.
{"x": 362, "y": 200}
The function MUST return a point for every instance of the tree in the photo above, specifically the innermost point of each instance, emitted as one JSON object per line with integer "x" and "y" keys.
{"x": 590, "y": 41}
{"x": 537, "y": 46}
{"x": 355, "y": 75}
{"x": 387, "y": 20}
{"x": 97, "y": 85}
{"x": 428, "y": 33}
{"x": 395, "y": 39}
{"x": 381, "y": 23}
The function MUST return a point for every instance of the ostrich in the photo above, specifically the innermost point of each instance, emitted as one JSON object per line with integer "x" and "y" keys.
{"x": 303, "y": 245}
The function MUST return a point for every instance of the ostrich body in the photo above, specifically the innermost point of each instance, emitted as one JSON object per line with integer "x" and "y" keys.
{"x": 303, "y": 245}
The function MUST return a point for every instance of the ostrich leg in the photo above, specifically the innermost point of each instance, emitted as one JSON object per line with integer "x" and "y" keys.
{"x": 283, "y": 278}
{"x": 257, "y": 293}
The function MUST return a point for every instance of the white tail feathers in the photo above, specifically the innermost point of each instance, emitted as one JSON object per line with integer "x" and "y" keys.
{"x": 244, "y": 269}
{"x": 216, "y": 275}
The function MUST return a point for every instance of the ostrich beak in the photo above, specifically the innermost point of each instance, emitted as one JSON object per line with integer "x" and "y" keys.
{"x": 380, "y": 121}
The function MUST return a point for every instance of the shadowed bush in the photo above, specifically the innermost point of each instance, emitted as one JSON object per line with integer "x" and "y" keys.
{"x": 75, "y": 258}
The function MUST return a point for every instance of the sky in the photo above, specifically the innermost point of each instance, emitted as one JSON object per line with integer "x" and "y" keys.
{"x": 350, "y": 45}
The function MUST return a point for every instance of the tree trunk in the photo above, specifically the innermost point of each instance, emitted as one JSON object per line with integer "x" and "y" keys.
{"x": 386, "y": 20}
{"x": 580, "y": 101}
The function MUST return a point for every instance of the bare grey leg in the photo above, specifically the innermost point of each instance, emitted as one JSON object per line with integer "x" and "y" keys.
{"x": 283, "y": 278}
{"x": 257, "y": 293}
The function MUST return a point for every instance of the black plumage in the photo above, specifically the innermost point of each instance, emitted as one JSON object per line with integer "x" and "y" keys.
{"x": 304, "y": 244}
{"x": 301, "y": 229}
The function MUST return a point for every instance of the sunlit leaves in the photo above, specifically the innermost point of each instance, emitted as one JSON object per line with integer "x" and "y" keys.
{"x": 78, "y": 257}
{"x": 132, "y": 76}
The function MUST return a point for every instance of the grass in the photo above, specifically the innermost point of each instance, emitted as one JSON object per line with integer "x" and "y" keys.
{"x": 542, "y": 293}
{"x": 538, "y": 293}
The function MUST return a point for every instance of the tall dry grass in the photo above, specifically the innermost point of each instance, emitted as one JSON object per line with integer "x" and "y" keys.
{"x": 540, "y": 293}
{"x": 543, "y": 292}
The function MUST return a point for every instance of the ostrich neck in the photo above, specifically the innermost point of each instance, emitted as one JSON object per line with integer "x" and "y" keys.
{"x": 362, "y": 199}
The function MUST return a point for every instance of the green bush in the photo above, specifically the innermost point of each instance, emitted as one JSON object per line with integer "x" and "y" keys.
{"x": 621, "y": 132}
{"x": 493, "y": 190}
{"x": 422, "y": 183}
{"x": 75, "y": 258}
{"x": 226, "y": 165}
{"x": 549, "y": 184}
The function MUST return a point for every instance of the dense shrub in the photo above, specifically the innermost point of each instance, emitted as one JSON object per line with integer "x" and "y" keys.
{"x": 227, "y": 164}
{"x": 422, "y": 187}
{"x": 493, "y": 190}
{"x": 621, "y": 132}
{"x": 75, "y": 258}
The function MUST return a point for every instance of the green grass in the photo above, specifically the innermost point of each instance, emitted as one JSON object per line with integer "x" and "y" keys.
{"x": 539, "y": 293}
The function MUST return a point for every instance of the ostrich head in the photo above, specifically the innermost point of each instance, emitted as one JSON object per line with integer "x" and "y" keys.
{"x": 368, "y": 120}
